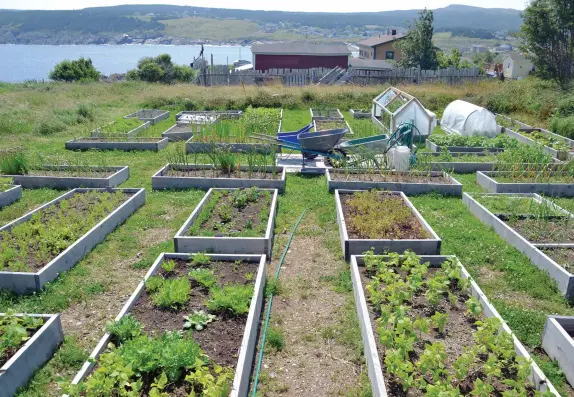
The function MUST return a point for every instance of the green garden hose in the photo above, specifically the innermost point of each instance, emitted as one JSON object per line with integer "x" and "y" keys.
{"x": 264, "y": 334}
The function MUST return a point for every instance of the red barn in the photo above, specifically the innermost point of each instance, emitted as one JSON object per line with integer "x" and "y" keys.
{"x": 299, "y": 55}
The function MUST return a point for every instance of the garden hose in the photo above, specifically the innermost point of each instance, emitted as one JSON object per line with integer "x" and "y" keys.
{"x": 264, "y": 334}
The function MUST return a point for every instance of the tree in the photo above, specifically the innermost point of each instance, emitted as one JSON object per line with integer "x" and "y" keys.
{"x": 80, "y": 70}
{"x": 160, "y": 69}
{"x": 417, "y": 47}
{"x": 447, "y": 60}
{"x": 548, "y": 38}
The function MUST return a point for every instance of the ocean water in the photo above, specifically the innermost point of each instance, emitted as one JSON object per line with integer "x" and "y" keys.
{"x": 26, "y": 62}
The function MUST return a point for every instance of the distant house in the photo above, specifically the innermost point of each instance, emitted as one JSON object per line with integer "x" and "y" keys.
{"x": 478, "y": 48}
{"x": 299, "y": 55}
{"x": 503, "y": 48}
{"x": 516, "y": 66}
{"x": 381, "y": 48}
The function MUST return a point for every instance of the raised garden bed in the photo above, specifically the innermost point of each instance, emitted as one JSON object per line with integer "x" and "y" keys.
{"x": 439, "y": 339}
{"x": 383, "y": 221}
{"x": 207, "y": 147}
{"x": 222, "y": 114}
{"x": 206, "y": 176}
{"x": 535, "y": 137}
{"x": 557, "y": 340}
{"x": 550, "y": 183}
{"x": 9, "y": 194}
{"x": 539, "y": 221}
{"x": 360, "y": 113}
{"x": 23, "y": 356}
{"x": 114, "y": 129}
{"x": 229, "y": 339}
{"x": 233, "y": 221}
{"x": 326, "y": 114}
{"x": 70, "y": 177}
{"x": 411, "y": 182}
{"x": 66, "y": 229}
{"x": 458, "y": 143}
{"x": 153, "y": 116}
{"x": 180, "y": 132}
{"x": 322, "y": 125}
{"x": 433, "y": 147}
{"x": 127, "y": 145}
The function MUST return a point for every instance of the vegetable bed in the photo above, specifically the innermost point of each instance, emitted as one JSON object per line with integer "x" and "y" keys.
{"x": 190, "y": 326}
{"x": 437, "y": 334}
{"x": 548, "y": 182}
{"x": 37, "y": 247}
{"x": 459, "y": 143}
{"x": 153, "y": 116}
{"x": 383, "y": 221}
{"x": 26, "y": 342}
{"x": 117, "y": 143}
{"x": 9, "y": 193}
{"x": 230, "y": 221}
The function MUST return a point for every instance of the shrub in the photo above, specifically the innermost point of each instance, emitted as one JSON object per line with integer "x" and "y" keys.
{"x": 160, "y": 70}
{"x": 563, "y": 126}
{"x": 565, "y": 107}
{"x": 79, "y": 70}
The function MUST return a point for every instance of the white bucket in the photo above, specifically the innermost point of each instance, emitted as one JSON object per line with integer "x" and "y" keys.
{"x": 399, "y": 158}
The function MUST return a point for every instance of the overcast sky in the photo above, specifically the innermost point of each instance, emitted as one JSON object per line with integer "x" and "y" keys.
{"x": 290, "y": 5}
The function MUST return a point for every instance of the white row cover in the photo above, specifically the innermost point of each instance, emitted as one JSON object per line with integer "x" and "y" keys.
{"x": 467, "y": 119}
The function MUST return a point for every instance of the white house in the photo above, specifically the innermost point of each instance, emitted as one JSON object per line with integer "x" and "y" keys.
{"x": 516, "y": 66}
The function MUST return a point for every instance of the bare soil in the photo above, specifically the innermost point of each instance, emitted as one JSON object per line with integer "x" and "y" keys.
{"x": 384, "y": 176}
{"x": 407, "y": 229}
{"x": 221, "y": 339}
{"x": 563, "y": 256}
{"x": 210, "y": 173}
{"x": 542, "y": 231}
{"x": 121, "y": 139}
{"x": 72, "y": 173}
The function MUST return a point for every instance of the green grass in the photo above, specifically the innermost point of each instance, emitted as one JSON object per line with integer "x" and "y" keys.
{"x": 294, "y": 120}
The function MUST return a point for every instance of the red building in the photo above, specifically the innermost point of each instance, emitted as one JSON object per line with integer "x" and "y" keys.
{"x": 299, "y": 55}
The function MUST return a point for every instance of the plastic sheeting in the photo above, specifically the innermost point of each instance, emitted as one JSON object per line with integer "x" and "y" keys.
{"x": 467, "y": 119}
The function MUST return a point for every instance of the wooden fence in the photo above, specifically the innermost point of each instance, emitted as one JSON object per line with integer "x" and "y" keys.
{"x": 221, "y": 75}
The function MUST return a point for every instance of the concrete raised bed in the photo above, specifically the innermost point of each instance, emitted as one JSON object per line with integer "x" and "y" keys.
{"x": 351, "y": 247}
{"x": 161, "y": 182}
{"x": 153, "y": 144}
{"x": 562, "y": 155}
{"x": 564, "y": 279}
{"x": 360, "y": 114}
{"x": 223, "y": 114}
{"x": 97, "y": 133}
{"x": 433, "y": 147}
{"x": 374, "y": 367}
{"x": 7, "y": 197}
{"x": 411, "y": 189}
{"x": 32, "y": 354}
{"x": 485, "y": 179}
{"x": 326, "y": 114}
{"x": 24, "y": 282}
{"x": 66, "y": 182}
{"x": 558, "y": 343}
{"x": 226, "y": 245}
{"x": 344, "y": 125}
{"x": 208, "y": 147}
{"x": 153, "y": 116}
{"x": 248, "y": 343}
{"x": 176, "y": 132}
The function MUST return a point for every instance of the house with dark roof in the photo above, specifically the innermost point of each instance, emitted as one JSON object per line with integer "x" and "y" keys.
{"x": 299, "y": 55}
{"x": 381, "y": 47}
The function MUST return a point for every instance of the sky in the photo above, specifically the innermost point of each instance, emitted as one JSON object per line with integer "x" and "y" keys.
{"x": 291, "y": 5}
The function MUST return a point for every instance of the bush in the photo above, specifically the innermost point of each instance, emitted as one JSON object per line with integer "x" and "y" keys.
{"x": 566, "y": 107}
{"x": 49, "y": 126}
{"x": 80, "y": 70}
{"x": 563, "y": 126}
{"x": 161, "y": 70}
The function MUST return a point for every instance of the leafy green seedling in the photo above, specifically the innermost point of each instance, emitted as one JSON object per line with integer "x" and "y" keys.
{"x": 234, "y": 298}
{"x": 168, "y": 266}
{"x": 153, "y": 284}
{"x": 173, "y": 293}
{"x": 200, "y": 259}
{"x": 439, "y": 321}
{"x": 474, "y": 307}
{"x": 198, "y": 320}
{"x": 205, "y": 277}
{"x": 125, "y": 328}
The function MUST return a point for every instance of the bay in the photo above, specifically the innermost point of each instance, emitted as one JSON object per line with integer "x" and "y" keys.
{"x": 34, "y": 62}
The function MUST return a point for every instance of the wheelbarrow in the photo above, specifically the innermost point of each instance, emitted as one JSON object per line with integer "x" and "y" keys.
{"x": 292, "y": 136}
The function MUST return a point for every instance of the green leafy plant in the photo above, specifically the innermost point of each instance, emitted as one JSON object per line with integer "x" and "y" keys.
{"x": 275, "y": 338}
{"x": 439, "y": 321}
{"x": 232, "y": 298}
{"x": 168, "y": 266}
{"x": 173, "y": 293}
{"x": 205, "y": 277}
{"x": 15, "y": 330}
{"x": 200, "y": 259}
{"x": 474, "y": 308}
{"x": 125, "y": 328}
{"x": 198, "y": 320}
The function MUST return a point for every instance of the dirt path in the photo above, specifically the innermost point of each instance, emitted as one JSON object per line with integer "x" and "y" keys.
{"x": 317, "y": 359}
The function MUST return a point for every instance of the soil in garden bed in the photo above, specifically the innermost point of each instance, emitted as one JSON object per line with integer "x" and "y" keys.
{"x": 552, "y": 230}
{"x": 563, "y": 256}
{"x": 33, "y": 244}
{"x": 235, "y": 213}
{"x": 221, "y": 339}
{"x": 124, "y": 139}
{"x": 533, "y": 179}
{"x": 72, "y": 173}
{"x": 186, "y": 127}
{"x": 208, "y": 173}
{"x": 458, "y": 335}
{"x": 386, "y": 176}
{"x": 380, "y": 215}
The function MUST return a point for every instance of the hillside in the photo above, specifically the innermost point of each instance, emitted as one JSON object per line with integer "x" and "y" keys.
{"x": 186, "y": 25}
